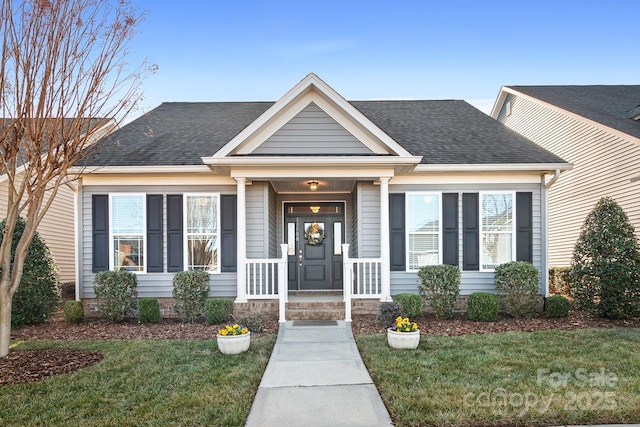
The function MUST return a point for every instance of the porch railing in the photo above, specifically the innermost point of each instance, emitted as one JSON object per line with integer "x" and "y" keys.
{"x": 267, "y": 279}
{"x": 362, "y": 279}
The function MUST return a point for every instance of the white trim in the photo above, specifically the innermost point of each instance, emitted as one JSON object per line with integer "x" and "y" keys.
{"x": 312, "y": 160}
{"x": 138, "y": 169}
{"x": 495, "y": 167}
{"x": 481, "y": 230}
{"x": 468, "y": 178}
{"x": 185, "y": 234}
{"x": 158, "y": 179}
{"x": 406, "y": 219}
{"x": 144, "y": 230}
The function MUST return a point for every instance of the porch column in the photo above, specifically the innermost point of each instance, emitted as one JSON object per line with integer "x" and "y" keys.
{"x": 385, "y": 274}
{"x": 241, "y": 293}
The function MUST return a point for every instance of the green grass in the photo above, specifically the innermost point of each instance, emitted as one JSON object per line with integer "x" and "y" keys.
{"x": 524, "y": 378}
{"x": 142, "y": 382}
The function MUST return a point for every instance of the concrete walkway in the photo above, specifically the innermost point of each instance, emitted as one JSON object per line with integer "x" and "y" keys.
{"x": 315, "y": 377}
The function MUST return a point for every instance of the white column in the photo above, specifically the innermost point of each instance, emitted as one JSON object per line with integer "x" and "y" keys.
{"x": 241, "y": 294}
{"x": 385, "y": 252}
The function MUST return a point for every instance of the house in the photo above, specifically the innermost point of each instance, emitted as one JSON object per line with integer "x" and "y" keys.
{"x": 57, "y": 227}
{"x": 597, "y": 129}
{"x": 312, "y": 193}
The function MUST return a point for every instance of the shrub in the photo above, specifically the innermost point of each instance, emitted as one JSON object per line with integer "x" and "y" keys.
{"x": 440, "y": 287}
{"x": 73, "y": 312}
{"x": 148, "y": 310}
{"x": 410, "y": 304}
{"x": 557, "y": 306}
{"x": 218, "y": 310}
{"x": 518, "y": 282}
{"x": 482, "y": 307}
{"x": 190, "y": 291}
{"x": 38, "y": 294}
{"x": 560, "y": 280}
{"x": 255, "y": 323}
{"x": 606, "y": 263}
{"x": 388, "y": 312}
{"x": 115, "y": 293}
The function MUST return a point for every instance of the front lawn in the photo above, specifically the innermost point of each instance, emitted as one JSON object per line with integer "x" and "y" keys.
{"x": 523, "y": 378}
{"x": 142, "y": 382}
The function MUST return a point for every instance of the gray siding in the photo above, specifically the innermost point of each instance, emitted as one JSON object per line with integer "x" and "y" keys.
{"x": 474, "y": 281}
{"x": 307, "y": 131}
{"x": 150, "y": 284}
{"x": 368, "y": 220}
{"x": 352, "y": 238}
{"x": 274, "y": 248}
{"x": 604, "y": 165}
{"x": 257, "y": 201}
{"x": 56, "y": 229}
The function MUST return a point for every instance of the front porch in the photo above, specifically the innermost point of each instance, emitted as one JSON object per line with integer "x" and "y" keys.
{"x": 266, "y": 288}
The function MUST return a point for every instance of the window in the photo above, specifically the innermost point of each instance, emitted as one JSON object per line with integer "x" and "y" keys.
{"x": 423, "y": 230}
{"x": 496, "y": 228}
{"x": 127, "y": 232}
{"x": 201, "y": 232}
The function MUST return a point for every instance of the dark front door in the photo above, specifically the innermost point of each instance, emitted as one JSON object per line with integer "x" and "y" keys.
{"x": 314, "y": 233}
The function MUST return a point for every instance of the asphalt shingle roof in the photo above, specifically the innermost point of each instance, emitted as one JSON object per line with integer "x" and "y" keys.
{"x": 443, "y": 132}
{"x": 610, "y": 105}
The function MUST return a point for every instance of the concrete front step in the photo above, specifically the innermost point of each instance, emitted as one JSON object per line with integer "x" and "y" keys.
{"x": 315, "y": 310}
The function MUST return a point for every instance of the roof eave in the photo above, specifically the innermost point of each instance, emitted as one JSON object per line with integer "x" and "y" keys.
{"x": 495, "y": 167}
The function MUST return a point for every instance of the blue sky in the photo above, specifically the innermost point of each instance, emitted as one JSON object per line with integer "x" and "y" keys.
{"x": 257, "y": 50}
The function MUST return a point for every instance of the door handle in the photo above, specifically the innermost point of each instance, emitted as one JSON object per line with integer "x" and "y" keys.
{"x": 300, "y": 260}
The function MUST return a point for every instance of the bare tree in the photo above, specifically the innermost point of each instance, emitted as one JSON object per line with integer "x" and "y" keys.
{"x": 64, "y": 77}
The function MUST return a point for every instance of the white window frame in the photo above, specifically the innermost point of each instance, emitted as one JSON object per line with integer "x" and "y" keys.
{"x": 407, "y": 232}
{"x": 185, "y": 241}
{"x": 144, "y": 230}
{"x": 482, "y": 231}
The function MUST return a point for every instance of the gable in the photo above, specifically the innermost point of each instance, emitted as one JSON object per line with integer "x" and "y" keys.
{"x": 309, "y": 129}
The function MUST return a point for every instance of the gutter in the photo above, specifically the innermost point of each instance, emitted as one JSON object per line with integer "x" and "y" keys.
{"x": 556, "y": 175}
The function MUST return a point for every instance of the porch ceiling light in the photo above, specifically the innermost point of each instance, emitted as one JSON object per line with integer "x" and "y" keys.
{"x": 313, "y": 185}
{"x": 314, "y": 209}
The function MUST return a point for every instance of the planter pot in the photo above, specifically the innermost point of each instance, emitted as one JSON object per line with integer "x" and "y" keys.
{"x": 408, "y": 340}
{"x": 234, "y": 344}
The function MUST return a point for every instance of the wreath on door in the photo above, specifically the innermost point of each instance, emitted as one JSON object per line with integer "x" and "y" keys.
{"x": 314, "y": 235}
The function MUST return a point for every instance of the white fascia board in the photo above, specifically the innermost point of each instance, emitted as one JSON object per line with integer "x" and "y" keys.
{"x": 337, "y": 172}
{"x": 292, "y": 101}
{"x": 495, "y": 167}
{"x": 575, "y": 116}
{"x": 312, "y": 161}
{"x": 139, "y": 169}
{"x": 497, "y": 106}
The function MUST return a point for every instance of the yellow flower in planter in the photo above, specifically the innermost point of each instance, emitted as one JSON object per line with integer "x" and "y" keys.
{"x": 405, "y": 325}
{"x": 233, "y": 330}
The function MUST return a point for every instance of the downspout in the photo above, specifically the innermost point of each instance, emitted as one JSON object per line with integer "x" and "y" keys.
{"x": 76, "y": 233}
{"x": 545, "y": 228}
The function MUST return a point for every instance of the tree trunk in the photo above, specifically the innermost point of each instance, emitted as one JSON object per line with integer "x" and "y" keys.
{"x": 5, "y": 321}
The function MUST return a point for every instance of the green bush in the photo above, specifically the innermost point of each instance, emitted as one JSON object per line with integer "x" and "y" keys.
{"x": 116, "y": 292}
{"x": 218, "y": 310}
{"x": 38, "y": 295}
{"x": 518, "y": 283}
{"x": 255, "y": 323}
{"x": 73, "y": 312}
{"x": 560, "y": 281}
{"x": 482, "y": 306}
{"x": 190, "y": 291}
{"x": 557, "y": 306}
{"x": 411, "y": 304}
{"x": 148, "y": 310}
{"x": 440, "y": 287}
{"x": 388, "y": 312}
{"x": 606, "y": 263}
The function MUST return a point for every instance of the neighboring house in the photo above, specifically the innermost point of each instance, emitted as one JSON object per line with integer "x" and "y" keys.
{"x": 597, "y": 129}
{"x": 57, "y": 226}
{"x": 226, "y": 186}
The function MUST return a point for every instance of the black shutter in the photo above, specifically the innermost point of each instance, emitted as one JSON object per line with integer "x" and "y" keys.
{"x": 524, "y": 227}
{"x": 397, "y": 231}
{"x": 228, "y": 233}
{"x": 154, "y": 233}
{"x": 470, "y": 232}
{"x": 450, "y": 228}
{"x": 100, "y": 232}
{"x": 174, "y": 233}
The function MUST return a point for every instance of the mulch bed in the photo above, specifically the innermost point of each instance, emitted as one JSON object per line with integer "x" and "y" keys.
{"x": 25, "y": 366}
